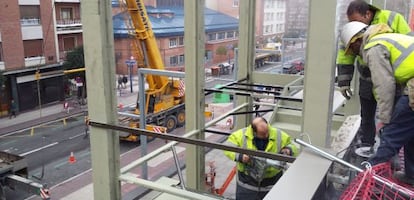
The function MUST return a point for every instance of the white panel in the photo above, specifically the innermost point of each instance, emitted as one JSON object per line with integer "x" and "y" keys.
{"x": 29, "y": 2}
{"x": 2, "y": 66}
{"x": 0, "y": 35}
{"x": 68, "y": 1}
{"x": 32, "y": 32}
{"x": 34, "y": 61}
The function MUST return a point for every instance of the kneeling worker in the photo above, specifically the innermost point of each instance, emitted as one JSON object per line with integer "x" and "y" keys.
{"x": 254, "y": 180}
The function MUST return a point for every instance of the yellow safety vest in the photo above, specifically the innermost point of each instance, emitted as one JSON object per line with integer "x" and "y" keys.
{"x": 244, "y": 138}
{"x": 401, "y": 48}
{"x": 392, "y": 19}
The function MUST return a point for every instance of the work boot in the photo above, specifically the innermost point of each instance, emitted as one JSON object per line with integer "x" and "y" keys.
{"x": 400, "y": 176}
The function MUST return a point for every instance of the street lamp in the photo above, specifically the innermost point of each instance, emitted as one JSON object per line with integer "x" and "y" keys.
{"x": 130, "y": 63}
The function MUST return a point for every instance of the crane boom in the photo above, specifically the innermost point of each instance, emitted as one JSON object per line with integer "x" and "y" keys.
{"x": 144, "y": 33}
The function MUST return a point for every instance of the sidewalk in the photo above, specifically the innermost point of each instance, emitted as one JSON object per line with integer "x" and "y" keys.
{"x": 54, "y": 111}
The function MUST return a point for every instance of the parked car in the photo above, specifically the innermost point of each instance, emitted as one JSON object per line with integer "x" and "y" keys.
{"x": 294, "y": 67}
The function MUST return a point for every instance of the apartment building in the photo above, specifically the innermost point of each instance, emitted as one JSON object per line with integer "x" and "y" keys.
{"x": 270, "y": 17}
{"x": 34, "y": 37}
{"x": 297, "y": 17}
{"x": 167, "y": 21}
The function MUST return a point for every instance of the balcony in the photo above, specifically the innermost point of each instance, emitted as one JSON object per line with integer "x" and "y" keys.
{"x": 30, "y": 22}
{"x": 34, "y": 61}
{"x": 66, "y": 26}
{"x": 67, "y": 1}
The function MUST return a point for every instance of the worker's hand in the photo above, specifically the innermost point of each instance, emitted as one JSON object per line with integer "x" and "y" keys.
{"x": 346, "y": 92}
{"x": 286, "y": 151}
{"x": 245, "y": 159}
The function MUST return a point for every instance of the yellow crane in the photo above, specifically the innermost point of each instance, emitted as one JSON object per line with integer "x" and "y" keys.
{"x": 164, "y": 104}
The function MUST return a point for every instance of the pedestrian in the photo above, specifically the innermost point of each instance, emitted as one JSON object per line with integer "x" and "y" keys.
{"x": 359, "y": 10}
{"x": 13, "y": 109}
{"x": 390, "y": 58}
{"x": 120, "y": 82}
{"x": 86, "y": 126}
{"x": 252, "y": 182}
{"x": 124, "y": 80}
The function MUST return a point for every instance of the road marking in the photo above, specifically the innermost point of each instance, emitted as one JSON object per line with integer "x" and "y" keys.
{"x": 75, "y": 136}
{"x": 38, "y": 149}
{"x": 209, "y": 79}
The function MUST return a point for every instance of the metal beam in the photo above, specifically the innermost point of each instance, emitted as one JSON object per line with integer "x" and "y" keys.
{"x": 194, "y": 93}
{"x": 100, "y": 67}
{"x": 246, "y": 53}
{"x": 142, "y": 98}
{"x": 198, "y": 142}
{"x": 318, "y": 92}
{"x": 165, "y": 188}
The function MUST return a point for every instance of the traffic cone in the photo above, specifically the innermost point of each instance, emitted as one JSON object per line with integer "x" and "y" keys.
{"x": 72, "y": 158}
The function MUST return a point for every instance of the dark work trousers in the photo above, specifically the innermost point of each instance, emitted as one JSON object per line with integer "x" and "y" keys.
{"x": 397, "y": 134}
{"x": 246, "y": 194}
{"x": 368, "y": 103}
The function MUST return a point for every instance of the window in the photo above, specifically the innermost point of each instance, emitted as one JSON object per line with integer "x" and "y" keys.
{"x": 237, "y": 33}
{"x": 173, "y": 60}
{"x": 173, "y": 42}
{"x": 32, "y": 48}
{"x": 208, "y": 55}
{"x": 181, "y": 59}
{"x": 181, "y": 41}
{"x": 66, "y": 14}
{"x": 69, "y": 43}
{"x": 235, "y": 3}
{"x": 211, "y": 36}
{"x": 221, "y": 36}
{"x": 29, "y": 15}
{"x": 230, "y": 34}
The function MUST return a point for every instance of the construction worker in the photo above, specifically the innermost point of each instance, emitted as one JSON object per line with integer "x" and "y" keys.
{"x": 359, "y": 10}
{"x": 258, "y": 136}
{"x": 390, "y": 58}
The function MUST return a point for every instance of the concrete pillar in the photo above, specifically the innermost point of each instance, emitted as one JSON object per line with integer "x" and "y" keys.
{"x": 319, "y": 76}
{"x": 246, "y": 53}
{"x": 100, "y": 67}
{"x": 194, "y": 81}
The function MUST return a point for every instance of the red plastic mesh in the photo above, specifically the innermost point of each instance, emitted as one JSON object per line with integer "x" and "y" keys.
{"x": 366, "y": 187}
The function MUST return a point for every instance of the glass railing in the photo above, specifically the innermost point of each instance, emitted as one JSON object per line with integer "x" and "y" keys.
{"x": 31, "y": 21}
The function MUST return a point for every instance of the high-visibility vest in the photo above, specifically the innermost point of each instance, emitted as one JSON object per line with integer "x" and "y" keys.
{"x": 392, "y": 19}
{"x": 244, "y": 138}
{"x": 401, "y": 48}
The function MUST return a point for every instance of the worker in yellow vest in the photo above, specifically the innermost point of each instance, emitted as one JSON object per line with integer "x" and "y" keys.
{"x": 390, "y": 58}
{"x": 256, "y": 177}
{"x": 359, "y": 10}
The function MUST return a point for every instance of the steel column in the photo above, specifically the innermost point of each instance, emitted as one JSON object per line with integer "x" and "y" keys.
{"x": 318, "y": 92}
{"x": 100, "y": 67}
{"x": 246, "y": 53}
{"x": 194, "y": 93}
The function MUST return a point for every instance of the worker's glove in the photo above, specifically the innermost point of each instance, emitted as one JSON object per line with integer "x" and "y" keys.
{"x": 286, "y": 151}
{"x": 410, "y": 87}
{"x": 346, "y": 92}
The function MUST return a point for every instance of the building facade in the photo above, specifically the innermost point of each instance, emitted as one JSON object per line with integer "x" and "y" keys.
{"x": 34, "y": 36}
{"x": 297, "y": 17}
{"x": 168, "y": 26}
{"x": 270, "y": 17}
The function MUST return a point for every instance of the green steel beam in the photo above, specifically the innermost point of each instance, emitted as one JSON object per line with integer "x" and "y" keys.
{"x": 194, "y": 80}
{"x": 246, "y": 53}
{"x": 100, "y": 67}
{"x": 319, "y": 77}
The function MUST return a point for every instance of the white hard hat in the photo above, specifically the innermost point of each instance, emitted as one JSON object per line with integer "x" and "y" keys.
{"x": 350, "y": 30}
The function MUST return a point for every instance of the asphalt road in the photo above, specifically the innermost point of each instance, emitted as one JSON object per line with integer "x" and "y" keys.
{"x": 47, "y": 151}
